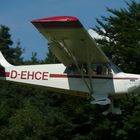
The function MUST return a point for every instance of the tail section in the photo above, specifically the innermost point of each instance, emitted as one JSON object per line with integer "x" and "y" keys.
{"x": 3, "y": 61}
{"x": 3, "y": 65}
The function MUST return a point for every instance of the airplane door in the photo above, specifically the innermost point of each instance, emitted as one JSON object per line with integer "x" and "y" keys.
{"x": 102, "y": 87}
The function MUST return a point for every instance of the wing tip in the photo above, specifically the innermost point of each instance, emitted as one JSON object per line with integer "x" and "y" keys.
{"x": 57, "y": 19}
{"x": 57, "y": 22}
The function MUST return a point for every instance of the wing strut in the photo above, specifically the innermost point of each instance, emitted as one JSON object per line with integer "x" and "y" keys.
{"x": 89, "y": 86}
{"x": 89, "y": 66}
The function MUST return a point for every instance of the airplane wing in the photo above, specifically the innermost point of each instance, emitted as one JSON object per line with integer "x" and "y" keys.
{"x": 69, "y": 40}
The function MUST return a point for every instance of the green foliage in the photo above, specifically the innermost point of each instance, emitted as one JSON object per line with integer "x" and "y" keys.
{"x": 33, "y": 60}
{"x": 6, "y": 42}
{"x": 51, "y": 59}
{"x": 27, "y": 123}
{"x": 121, "y": 36}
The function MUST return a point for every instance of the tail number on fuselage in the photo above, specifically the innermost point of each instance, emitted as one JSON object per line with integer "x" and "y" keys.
{"x": 29, "y": 75}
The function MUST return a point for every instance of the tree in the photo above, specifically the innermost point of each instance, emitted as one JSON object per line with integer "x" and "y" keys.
{"x": 13, "y": 55}
{"x": 51, "y": 58}
{"x": 33, "y": 60}
{"x": 27, "y": 123}
{"x": 121, "y": 36}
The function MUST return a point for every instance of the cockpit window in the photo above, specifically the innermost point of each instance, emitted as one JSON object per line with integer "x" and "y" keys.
{"x": 94, "y": 69}
{"x": 101, "y": 69}
{"x": 72, "y": 69}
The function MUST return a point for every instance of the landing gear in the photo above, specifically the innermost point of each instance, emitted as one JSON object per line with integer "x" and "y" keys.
{"x": 105, "y": 109}
{"x": 113, "y": 108}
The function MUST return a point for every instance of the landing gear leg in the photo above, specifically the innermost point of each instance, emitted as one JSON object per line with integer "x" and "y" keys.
{"x": 114, "y": 108}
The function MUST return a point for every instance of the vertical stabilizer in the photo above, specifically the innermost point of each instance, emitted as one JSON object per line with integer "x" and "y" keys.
{"x": 3, "y": 61}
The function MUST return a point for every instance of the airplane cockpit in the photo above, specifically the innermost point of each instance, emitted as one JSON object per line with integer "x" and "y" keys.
{"x": 94, "y": 69}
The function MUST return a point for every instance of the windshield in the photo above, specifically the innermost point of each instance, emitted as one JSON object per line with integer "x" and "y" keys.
{"x": 115, "y": 68}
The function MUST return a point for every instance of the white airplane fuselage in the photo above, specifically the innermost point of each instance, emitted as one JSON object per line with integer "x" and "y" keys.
{"x": 53, "y": 77}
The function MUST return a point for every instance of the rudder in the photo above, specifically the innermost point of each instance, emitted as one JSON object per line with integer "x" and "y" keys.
{"x": 3, "y": 61}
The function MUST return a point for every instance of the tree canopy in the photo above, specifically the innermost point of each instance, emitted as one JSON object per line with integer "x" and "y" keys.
{"x": 120, "y": 33}
{"x": 13, "y": 55}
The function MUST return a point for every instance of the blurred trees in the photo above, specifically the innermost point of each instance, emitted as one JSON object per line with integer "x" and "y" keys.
{"x": 32, "y": 113}
{"x": 121, "y": 36}
{"x": 13, "y": 55}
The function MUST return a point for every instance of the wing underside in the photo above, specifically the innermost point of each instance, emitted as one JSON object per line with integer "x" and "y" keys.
{"x": 69, "y": 41}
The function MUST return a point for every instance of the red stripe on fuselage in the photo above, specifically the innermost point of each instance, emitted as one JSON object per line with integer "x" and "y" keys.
{"x": 86, "y": 76}
{"x": 4, "y": 74}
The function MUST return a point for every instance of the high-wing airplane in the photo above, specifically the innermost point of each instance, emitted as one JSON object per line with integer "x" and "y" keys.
{"x": 84, "y": 70}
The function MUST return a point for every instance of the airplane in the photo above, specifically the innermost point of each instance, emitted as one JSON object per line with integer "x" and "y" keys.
{"x": 84, "y": 69}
